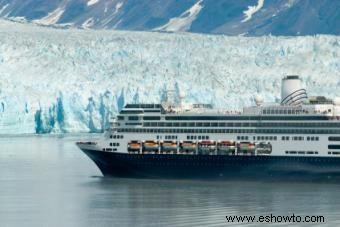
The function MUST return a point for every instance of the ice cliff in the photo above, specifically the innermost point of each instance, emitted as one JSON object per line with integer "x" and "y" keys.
{"x": 54, "y": 80}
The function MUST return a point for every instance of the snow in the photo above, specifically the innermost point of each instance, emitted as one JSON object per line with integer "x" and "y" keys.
{"x": 58, "y": 80}
{"x": 3, "y": 8}
{"x": 252, "y": 10}
{"x": 107, "y": 20}
{"x": 51, "y": 18}
{"x": 92, "y": 2}
{"x": 184, "y": 21}
{"x": 88, "y": 23}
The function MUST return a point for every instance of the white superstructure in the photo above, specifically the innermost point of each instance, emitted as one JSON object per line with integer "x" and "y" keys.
{"x": 297, "y": 126}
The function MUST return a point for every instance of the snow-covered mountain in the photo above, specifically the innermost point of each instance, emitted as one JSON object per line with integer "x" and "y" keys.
{"x": 232, "y": 17}
{"x": 56, "y": 80}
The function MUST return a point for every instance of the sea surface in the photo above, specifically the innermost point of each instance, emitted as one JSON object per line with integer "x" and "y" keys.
{"x": 47, "y": 181}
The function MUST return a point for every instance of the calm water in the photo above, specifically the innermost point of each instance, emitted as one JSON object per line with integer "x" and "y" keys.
{"x": 47, "y": 181}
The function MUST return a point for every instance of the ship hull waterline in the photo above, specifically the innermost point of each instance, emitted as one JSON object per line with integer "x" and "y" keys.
{"x": 182, "y": 166}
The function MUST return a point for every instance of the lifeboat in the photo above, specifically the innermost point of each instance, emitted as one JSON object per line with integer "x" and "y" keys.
{"x": 264, "y": 148}
{"x": 246, "y": 147}
{"x": 206, "y": 146}
{"x": 134, "y": 146}
{"x": 226, "y": 146}
{"x": 150, "y": 145}
{"x": 188, "y": 146}
{"x": 169, "y": 146}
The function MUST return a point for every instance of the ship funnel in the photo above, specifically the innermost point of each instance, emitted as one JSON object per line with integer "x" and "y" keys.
{"x": 292, "y": 92}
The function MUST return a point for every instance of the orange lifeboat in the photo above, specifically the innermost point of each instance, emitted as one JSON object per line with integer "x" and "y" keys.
{"x": 134, "y": 146}
{"x": 150, "y": 145}
{"x": 226, "y": 146}
{"x": 188, "y": 146}
{"x": 169, "y": 146}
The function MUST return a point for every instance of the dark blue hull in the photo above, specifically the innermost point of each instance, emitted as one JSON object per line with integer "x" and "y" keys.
{"x": 215, "y": 166}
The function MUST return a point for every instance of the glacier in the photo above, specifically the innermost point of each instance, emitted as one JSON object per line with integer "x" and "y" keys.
{"x": 69, "y": 80}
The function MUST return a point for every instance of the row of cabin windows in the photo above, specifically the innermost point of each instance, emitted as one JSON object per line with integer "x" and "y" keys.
{"x": 258, "y": 138}
{"x": 334, "y": 138}
{"x": 114, "y": 144}
{"x": 242, "y": 137}
{"x": 143, "y": 106}
{"x": 313, "y": 138}
{"x": 133, "y": 118}
{"x": 334, "y": 146}
{"x": 247, "y": 118}
{"x": 334, "y": 152}
{"x": 116, "y": 136}
{"x": 167, "y": 137}
{"x": 244, "y": 124}
{"x": 265, "y": 138}
{"x": 109, "y": 149}
{"x": 134, "y": 123}
{"x": 302, "y": 152}
{"x": 259, "y": 131}
{"x": 286, "y": 111}
{"x": 300, "y": 138}
{"x": 200, "y": 137}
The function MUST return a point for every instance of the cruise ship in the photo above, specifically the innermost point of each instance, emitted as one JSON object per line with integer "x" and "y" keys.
{"x": 297, "y": 137}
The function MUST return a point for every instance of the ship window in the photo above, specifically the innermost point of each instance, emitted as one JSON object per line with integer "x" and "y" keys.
{"x": 133, "y": 118}
{"x": 308, "y": 138}
{"x": 199, "y": 137}
{"x": 152, "y": 118}
{"x": 221, "y": 124}
{"x": 176, "y": 124}
{"x": 301, "y": 152}
{"x": 317, "y": 138}
{"x": 188, "y": 138}
{"x": 334, "y": 138}
{"x": 335, "y": 146}
{"x": 121, "y": 118}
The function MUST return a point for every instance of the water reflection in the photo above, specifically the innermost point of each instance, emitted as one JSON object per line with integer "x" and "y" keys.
{"x": 47, "y": 181}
